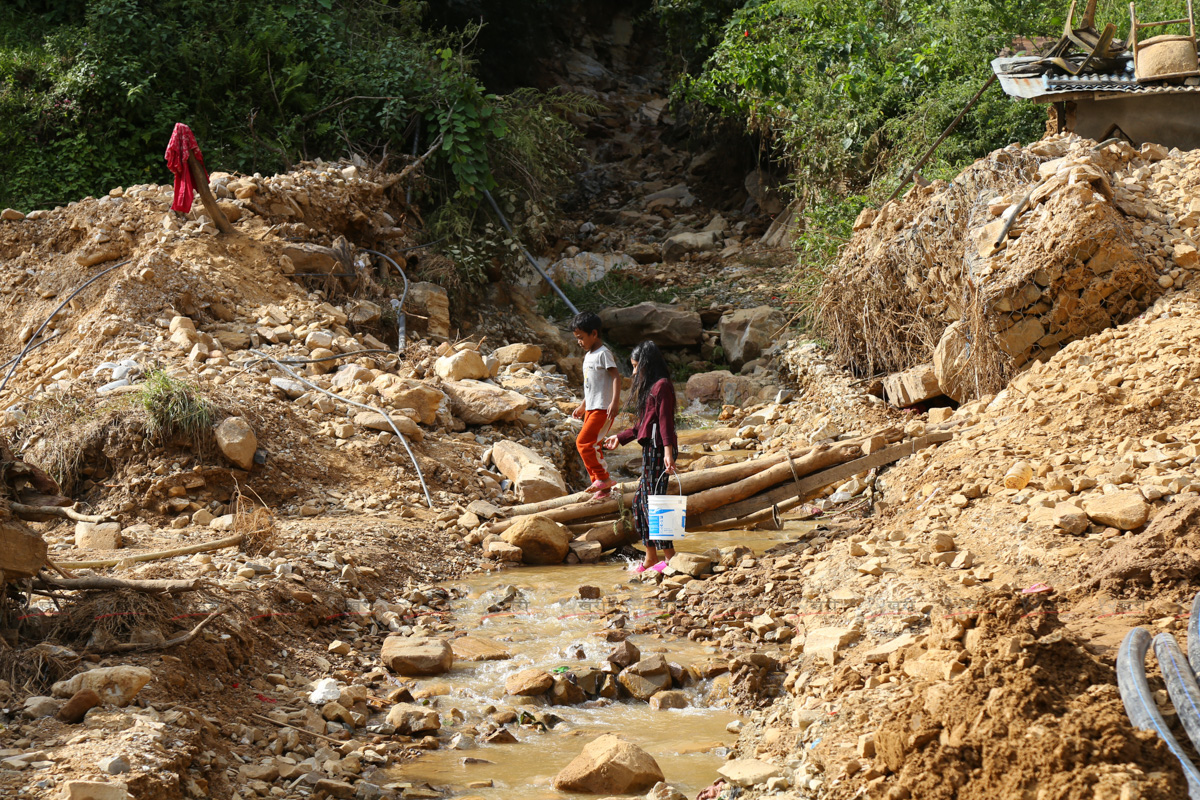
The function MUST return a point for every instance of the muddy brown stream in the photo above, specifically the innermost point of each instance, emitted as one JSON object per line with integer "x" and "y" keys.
{"x": 546, "y": 627}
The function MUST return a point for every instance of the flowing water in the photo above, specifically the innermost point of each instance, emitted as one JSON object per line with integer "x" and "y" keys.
{"x": 548, "y": 626}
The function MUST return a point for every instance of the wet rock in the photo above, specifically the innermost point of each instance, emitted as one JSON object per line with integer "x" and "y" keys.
{"x": 542, "y": 540}
{"x": 665, "y": 791}
{"x": 460, "y": 366}
{"x": 668, "y": 699}
{"x": 75, "y": 709}
{"x": 665, "y": 325}
{"x": 587, "y": 552}
{"x": 565, "y": 692}
{"x": 748, "y": 332}
{"x": 237, "y": 441}
{"x": 747, "y": 772}
{"x": 589, "y": 592}
{"x": 98, "y": 535}
{"x": 115, "y": 685}
{"x": 478, "y": 403}
{"x": 624, "y": 654}
{"x": 609, "y": 765}
{"x": 413, "y": 720}
{"x": 417, "y": 655}
{"x": 528, "y": 682}
{"x": 518, "y": 354}
{"x": 503, "y": 551}
{"x": 535, "y": 478}
{"x": 691, "y": 564}
{"x": 1121, "y": 510}
{"x": 478, "y": 648}
{"x": 647, "y": 677}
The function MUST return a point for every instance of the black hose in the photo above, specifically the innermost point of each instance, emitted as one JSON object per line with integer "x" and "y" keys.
{"x": 1181, "y": 684}
{"x": 294, "y": 361}
{"x": 49, "y": 338}
{"x": 61, "y": 306}
{"x": 1139, "y": 701}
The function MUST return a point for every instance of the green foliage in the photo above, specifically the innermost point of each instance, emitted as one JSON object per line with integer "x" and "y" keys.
{"x": 90, "y": 90}
{"x": 174, "y": 408}
{"x": 615, "y": 290}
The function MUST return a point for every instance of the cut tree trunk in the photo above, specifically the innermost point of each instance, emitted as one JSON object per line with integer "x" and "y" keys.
{"x": 22, "y": 551}
{"x": 818, "y": 458}
{"x": 815, "y": 482}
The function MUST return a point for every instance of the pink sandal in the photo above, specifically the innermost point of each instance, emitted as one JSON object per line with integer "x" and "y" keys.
{"x": 639, "y": 569}
{"x": 659, "y": 567}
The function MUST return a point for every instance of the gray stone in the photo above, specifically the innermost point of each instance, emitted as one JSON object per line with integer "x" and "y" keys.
{"x": 665, "y": 325}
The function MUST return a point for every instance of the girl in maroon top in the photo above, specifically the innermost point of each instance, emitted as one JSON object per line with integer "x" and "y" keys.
{"x": 654, "y": 399}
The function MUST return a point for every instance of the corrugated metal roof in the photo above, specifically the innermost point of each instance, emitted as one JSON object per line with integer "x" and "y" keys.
{"x": 1034, "y": 87}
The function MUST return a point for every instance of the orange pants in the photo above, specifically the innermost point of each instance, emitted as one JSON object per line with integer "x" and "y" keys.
{"x": 586, "y": 444}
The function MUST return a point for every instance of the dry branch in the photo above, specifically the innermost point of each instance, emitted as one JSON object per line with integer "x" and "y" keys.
{"x": 203, "y": 547}
{"x": 113, "y": 584}
{"x": 130, "y": 647}
{"x": 41, "y": 513}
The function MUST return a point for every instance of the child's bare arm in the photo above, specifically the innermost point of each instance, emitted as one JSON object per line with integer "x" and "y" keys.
{"x": 614, "y": 407}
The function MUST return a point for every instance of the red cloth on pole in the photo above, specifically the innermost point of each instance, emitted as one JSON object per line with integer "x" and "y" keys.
{"x": 182, "y": 144}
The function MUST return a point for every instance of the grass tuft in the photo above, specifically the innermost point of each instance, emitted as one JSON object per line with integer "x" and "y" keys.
{"x": 174, "y": 408}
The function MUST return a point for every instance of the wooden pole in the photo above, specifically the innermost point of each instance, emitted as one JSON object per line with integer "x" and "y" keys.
{"x": 200, "y": 180}
{"x": 815, "y": 481}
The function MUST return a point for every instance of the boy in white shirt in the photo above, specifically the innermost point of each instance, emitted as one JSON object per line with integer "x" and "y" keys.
{"x": 601, "y": 400}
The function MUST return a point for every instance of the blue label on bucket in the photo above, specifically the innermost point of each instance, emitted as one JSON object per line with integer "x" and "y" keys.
{"x": 662, "y": 523}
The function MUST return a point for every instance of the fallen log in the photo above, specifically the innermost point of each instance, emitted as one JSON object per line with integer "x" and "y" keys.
{"x": 42, "y": 513}
{"x": 690, "y": 482}
{"x": 755, "y": 520}
{"x": 815, "y": 481}
{"x": 203, "y": 547}
{"x": 580, "y": 506}
{"x": 610, "y": 535}
{"x": 100, "y": 583}
{"x": 818, "y": 458}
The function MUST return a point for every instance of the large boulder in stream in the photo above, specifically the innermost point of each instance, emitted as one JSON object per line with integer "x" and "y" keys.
{"x": 610, "y": 765}
{"x": 542, "y": 540}
{"x": 417, "y": 655}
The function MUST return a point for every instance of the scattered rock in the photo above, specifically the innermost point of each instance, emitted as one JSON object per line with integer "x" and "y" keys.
{"x": 542, "y": 540}
{"x": 478, "y": 403}
{"x": 237, "y": 441}
{"x": 75, "y": 709}
{"x": 528, "y": 682}
{"x": 413, "y": 720}
{"x": 116, "y": 686}
{"x": 535, "y": 478}
{"x": 417, "y": 655}
{"x": 665, "y": 325}
{"x": 1124, "y": 511}
{"x": 747, "y": 772}
{"x": 609, "y": 765}
{"x": 98, "y": 535}
{"x": 747, "y": 333}
{"x": 460, "y": 366}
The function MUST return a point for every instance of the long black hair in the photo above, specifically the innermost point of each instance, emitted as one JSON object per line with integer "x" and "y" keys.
{"x": 652, "y": 368}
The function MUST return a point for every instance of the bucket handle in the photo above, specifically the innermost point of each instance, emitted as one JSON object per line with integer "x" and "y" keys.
{"x": 678, "y": 482}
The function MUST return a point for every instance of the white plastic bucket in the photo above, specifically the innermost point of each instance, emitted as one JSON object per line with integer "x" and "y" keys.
{"x": 667, "y": 515}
